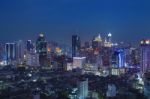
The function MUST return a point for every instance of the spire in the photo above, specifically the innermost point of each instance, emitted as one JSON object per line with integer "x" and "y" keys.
{"x": 98, "y": 38}
{"x": 109, "y": 34}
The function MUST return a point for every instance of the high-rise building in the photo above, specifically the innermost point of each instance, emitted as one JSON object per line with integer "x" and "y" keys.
{"x": 109, "y": 37}
{"x": 83, "y": 89}
{"x": 98, "y": 38}
{"x": 97, "y": 42}
{"x": 145, "y": 55}
{"x": 2, "y": 52}
{"x": 32, "y": 59}
{"x": 135, "y": 57}
{"x": 118, "y": 58}
{"x": 106, "y": 57}
{"x": 20, "y": 51}
{"x": 78, "y": 62}
{"x": 41, "y": 49}
{"x": 76, "y": 44}
{"x": 29, "y": 45}
{"x": 10, "y": 49}
{"x": 108, "y": 42}
{"x": 94, "y": 45}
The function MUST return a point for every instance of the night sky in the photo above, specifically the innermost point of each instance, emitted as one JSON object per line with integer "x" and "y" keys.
{"x": 127, "y": 20}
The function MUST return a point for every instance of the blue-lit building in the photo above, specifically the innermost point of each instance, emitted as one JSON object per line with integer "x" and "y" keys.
{"x": 118, "y": 58}
{"x": 41, "y": 49}
{"x": 145, "y": 55}
{"x": 76, "y": 44}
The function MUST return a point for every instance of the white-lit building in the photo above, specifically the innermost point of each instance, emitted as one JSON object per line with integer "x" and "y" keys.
{"x": 118, "y": 71}
{"x": 69, "y": 66}
{"x": 78, "y": 62}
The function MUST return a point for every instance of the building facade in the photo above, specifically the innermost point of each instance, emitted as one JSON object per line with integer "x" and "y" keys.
{"x": 41, "y": 49}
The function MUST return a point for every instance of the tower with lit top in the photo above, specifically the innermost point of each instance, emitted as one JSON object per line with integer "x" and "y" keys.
{"x": 145, "y": 55}
{"x": 41, "y": 49}
{"x": 107, "y": 41}
{"x": 97, "y": 42}
{"x": 109, "y": 37}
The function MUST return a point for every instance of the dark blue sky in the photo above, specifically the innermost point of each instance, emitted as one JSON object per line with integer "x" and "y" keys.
{"x": 127, "y": 20}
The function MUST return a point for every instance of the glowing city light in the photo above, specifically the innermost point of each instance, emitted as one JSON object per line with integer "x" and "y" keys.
{"x": 109, "y": 34}
{"x": 41, "y": 35}
{"x": 147, "y": 42}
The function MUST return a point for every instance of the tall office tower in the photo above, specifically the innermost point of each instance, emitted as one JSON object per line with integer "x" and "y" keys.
{"x": 106, "y": 57}
{"x": 109, "y": 37}
{"x": 118, "y": 58}
{"x": 145, "y": 55}
{"x": 97, "y": 42}
{"x": 2, "y": 52}
{"x": 29, "y": 45}
{"x": 20, "y": 51}
{"x": 76, "y": 44}
{"x": 108, "y": 42}
{"x": 41, "y": 49}
{"x": 83, "y": 88}
{"x": 10, "y": 49}
{"x": 135, "y": 57}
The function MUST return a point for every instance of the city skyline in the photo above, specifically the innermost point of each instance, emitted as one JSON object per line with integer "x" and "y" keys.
{"x": 74, "y": 49}
{"x": 127, "y": 20}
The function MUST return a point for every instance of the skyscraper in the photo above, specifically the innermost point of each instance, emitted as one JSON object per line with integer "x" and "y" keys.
{"x": 109, "y": 37}
{"x": 20, "y": 51}
{"x": 107, "y": 41}
{"x": 2, "y": 52}
{"x": 118, "y": 58}
{"x": 83, "y": 89}
{"x": 29, "y": 45}
{"x": 41, "y": 49}
{"x": 106, "y": 56}
{"x": 76, "y": 44}
{"x": 145, "y": 55}
{"x": 10, "y": 49}
{"x": 97, "y": 42}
